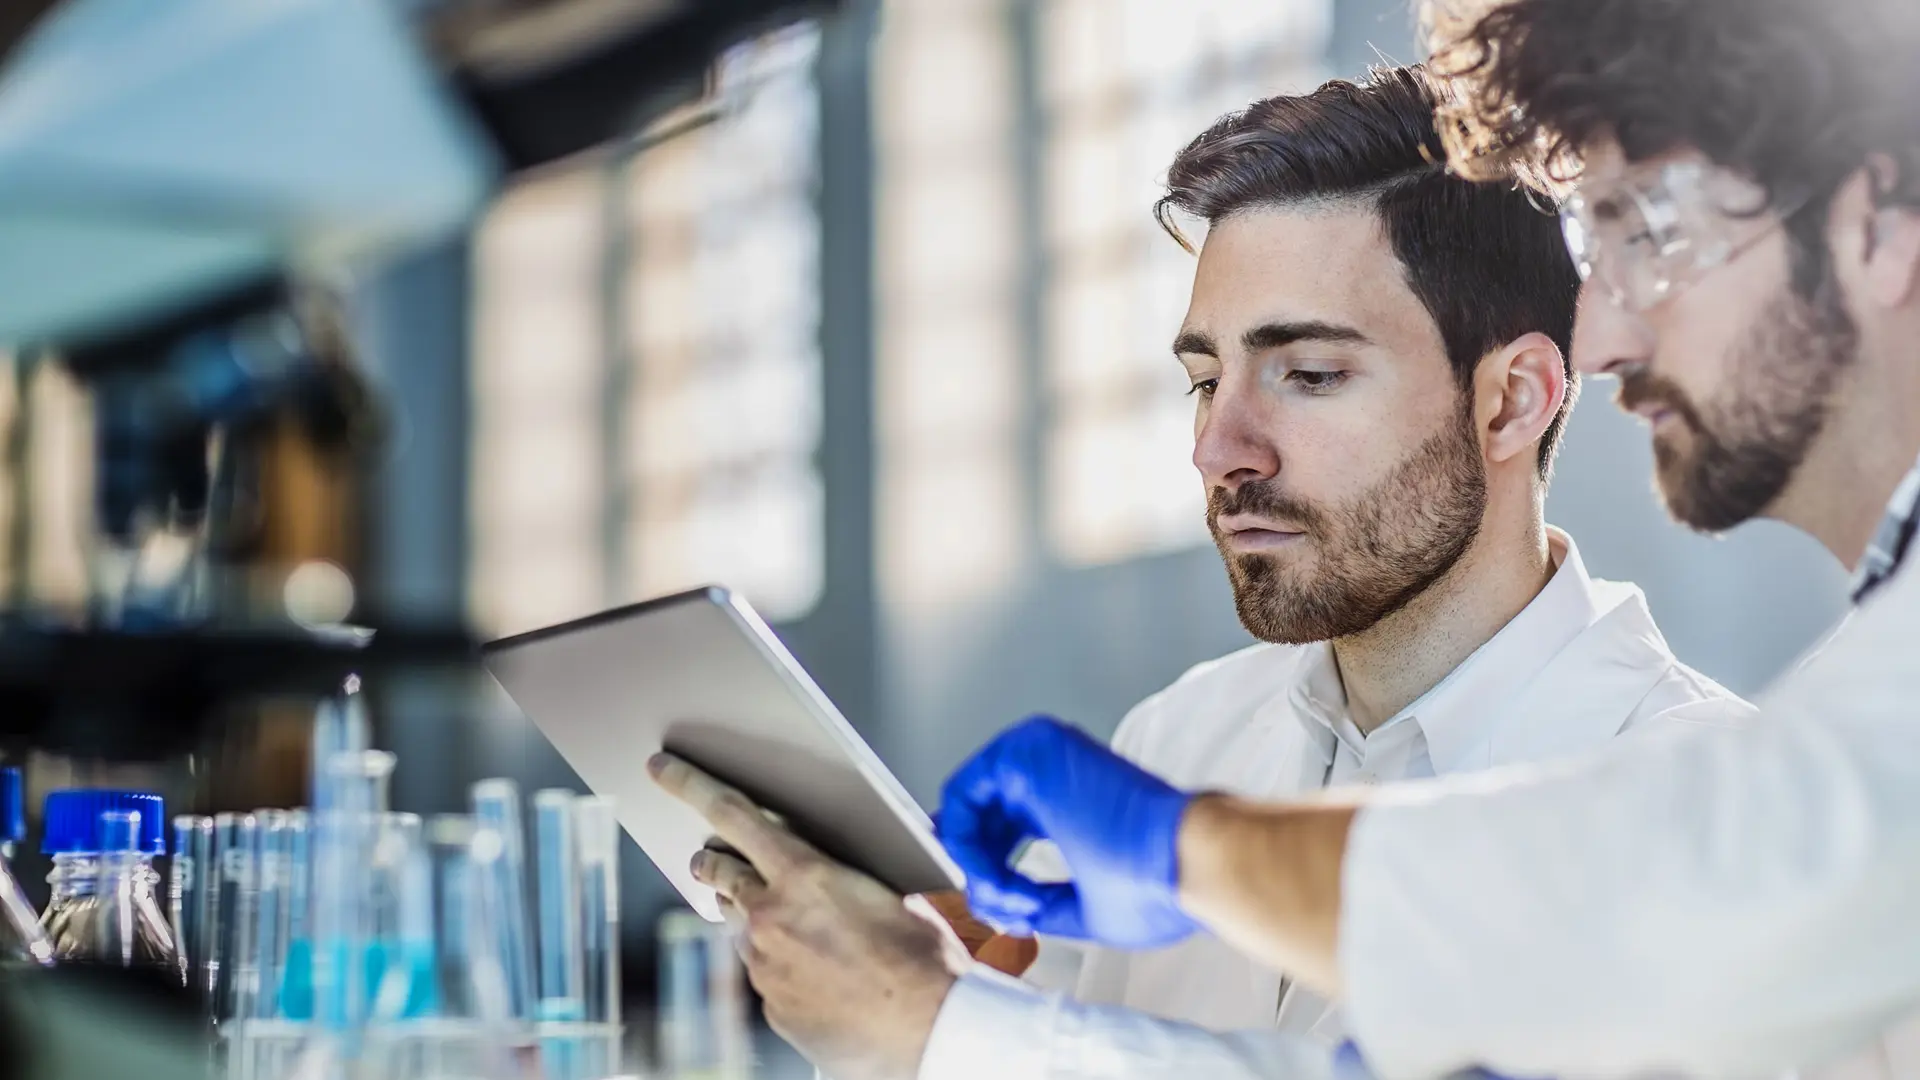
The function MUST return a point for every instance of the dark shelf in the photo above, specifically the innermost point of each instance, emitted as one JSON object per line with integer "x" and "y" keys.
{"x": 142, "y": 696}
{"x": 548, "y": 105}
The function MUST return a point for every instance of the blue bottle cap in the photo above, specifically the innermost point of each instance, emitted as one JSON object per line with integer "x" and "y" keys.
{"x": 73, "y": 820}
{"x": 13, "y": 808}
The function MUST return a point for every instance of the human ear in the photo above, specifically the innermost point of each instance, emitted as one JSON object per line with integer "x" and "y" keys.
{"x": 1881, "y": 238}
{"x": 1518, "y": 391}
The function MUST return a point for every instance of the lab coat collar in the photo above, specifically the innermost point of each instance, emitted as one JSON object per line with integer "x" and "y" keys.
{"x": 1302, "y": 763}
{"x": 1458, "y": 716}
{"x": 1614, "y": 664}
{"x": 1318, "y": 699}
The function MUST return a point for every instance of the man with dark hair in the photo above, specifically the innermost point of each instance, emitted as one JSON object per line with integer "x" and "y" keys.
{"x": 1743, "y": 183}
{"x": 1376, "y": 350}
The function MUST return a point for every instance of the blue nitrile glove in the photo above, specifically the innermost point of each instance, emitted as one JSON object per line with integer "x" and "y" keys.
{"x": 1116, "y": 824}
{"x": 1349, "y": 1063}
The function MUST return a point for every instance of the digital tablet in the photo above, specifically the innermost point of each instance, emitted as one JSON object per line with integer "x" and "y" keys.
{"x": 700, "y": 675}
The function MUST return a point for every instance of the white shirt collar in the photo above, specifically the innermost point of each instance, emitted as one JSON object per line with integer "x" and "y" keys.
{"x": 1455, "y": 716}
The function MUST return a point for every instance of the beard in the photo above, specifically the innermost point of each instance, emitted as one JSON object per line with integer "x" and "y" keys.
{"x": 1372, "y": 555}
{"x": 1741, "y": 450}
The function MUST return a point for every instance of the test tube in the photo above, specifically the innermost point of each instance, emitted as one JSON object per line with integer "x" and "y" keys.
{"x": 703, "y": 1000}
{"x": 273, "y": 869}
{"x": 339, "y": 727}
{"x": 187, "y": 881}
{"x": 596, "y": 838}
{"x": 487, "y": 919}
{"x": 496, "y": 807}
{"x": 218, "y": 926}
{"x": 259, "y": 1047}
{"x": 240, "y": 889}
{"x": 349, "y": 789}
{"x": 121, "y": 863}
{"x": 206, "y": 876}
{"x": 402, "y": 889}
{"x": 556, "y": 876}
{"x": 450, "y": 856}
{"x": 386, "y": 870}
{"x": 293, "y": 996}
{"x": 355, "y": 794}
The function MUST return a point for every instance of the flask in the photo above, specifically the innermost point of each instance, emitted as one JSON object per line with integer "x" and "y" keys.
{"x": 443, "y": 1009}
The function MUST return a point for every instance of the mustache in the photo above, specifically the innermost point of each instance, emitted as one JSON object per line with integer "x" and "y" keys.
{"x": 1263, "y": 499}
{"x": 1638, "y": 388}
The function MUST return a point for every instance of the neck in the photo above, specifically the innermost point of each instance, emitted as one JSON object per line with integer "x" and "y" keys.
{"x": 1869, "y": 441}
{"x": 1389, "y": 665}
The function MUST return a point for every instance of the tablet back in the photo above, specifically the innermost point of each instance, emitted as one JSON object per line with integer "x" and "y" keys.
{"x": 701, "y": 675}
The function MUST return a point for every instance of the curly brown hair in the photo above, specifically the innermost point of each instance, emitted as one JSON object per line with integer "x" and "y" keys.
{"x": 1798, "y": 95}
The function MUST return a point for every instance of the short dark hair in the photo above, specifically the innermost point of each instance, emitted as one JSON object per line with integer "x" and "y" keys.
{"x": 1487, "y": 260}
{"x": 1794, "y": 94}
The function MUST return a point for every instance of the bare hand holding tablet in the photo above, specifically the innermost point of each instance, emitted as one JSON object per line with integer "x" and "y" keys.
{"x": 701, "y": 676}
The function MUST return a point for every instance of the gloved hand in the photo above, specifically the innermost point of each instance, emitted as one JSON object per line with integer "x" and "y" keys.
{"x": 1116, "y": 824}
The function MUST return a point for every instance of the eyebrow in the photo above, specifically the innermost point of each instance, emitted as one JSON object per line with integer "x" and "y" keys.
{"x": 1195, "y": 343}
{"x": 1272, "y": 335}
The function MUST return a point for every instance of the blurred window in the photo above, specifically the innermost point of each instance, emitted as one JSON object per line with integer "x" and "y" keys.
{"x": 538, "y": 482}
{"x": 46, "y": 486}
{"x": 721, "y": 323}
{"x": 1122, "y": 85}
{"x": 949, "y": 381}
{"x": 646, "y": 363}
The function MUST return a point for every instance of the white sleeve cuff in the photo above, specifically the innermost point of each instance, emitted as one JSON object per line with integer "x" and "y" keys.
{"x": 1059, "y": 965}
{"x": 991, "y": 1026}
{"x": 995, "y": 1028}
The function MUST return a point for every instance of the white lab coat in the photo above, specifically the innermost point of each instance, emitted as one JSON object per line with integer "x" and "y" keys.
{"x": 1721, "y": 905}
{"x": 1580, "y": 664}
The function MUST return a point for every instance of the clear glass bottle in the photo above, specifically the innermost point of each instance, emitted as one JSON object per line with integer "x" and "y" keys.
{"x": 103, "y": 907}
{"x": 21, "y": 936}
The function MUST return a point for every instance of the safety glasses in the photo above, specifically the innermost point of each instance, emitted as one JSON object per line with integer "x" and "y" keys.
{"x": 1647, "y": 238}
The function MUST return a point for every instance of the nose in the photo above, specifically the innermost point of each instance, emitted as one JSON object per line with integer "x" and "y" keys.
{"x": 1234, "y": 443}
{"x": 1608, "y": 339}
